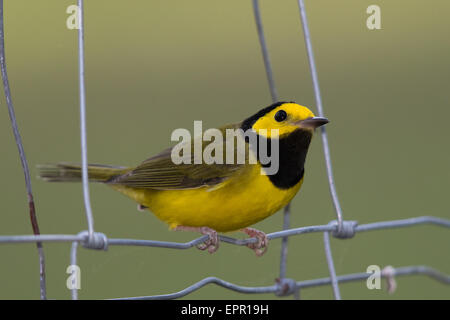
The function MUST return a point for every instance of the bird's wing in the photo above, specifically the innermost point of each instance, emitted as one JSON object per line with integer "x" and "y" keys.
{"x": 159, "y": 172}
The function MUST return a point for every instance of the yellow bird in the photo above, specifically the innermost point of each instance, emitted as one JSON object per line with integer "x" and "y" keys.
{"x": 222, "y": 196}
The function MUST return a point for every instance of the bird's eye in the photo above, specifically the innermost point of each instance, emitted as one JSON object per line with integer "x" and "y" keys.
{"x": 280, "y": 115}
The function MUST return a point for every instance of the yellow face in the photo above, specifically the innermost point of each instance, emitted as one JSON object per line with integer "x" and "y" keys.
{"x": 286, "y": 118}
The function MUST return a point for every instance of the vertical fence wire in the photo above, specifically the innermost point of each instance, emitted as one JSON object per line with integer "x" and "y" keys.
{"x": 326, "y": 148}
{"x": 73, "y": 262}
{"x": 265, "y": 51}
{"x": 284, "y": 241}
{"x": 274, "y": 95}
{"x": 23, "y": 159}
{"x": 84, "y": 162}
{"x": 315, "y": 79}
{"x": 331, "y": 269}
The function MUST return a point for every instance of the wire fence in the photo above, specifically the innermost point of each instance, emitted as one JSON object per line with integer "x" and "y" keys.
{"x": 339, "y": 228}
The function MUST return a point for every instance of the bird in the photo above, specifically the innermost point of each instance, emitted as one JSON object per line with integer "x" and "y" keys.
{"x": 216, "y": 197}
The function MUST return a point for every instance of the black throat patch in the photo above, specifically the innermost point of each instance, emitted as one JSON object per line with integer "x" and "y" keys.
{"x": 292, "y": 155}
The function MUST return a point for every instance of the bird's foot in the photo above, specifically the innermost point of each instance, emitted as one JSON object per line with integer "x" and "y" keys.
{"x": 259, "y": 247}
{"x": 211, "y": 244}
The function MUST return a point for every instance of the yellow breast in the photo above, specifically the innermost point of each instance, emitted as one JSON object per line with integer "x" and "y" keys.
{"x": 237, "y": 203}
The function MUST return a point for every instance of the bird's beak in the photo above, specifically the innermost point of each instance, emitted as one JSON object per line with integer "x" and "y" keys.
{"x": 312, "y": 123}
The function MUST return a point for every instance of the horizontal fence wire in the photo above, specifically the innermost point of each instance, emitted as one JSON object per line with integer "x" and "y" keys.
{"x": 339, "y": 228}
{"x": 101, "y": 242}
{"x": 297, "y": 285}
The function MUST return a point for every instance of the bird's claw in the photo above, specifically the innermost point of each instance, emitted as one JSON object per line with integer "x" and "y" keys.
{"x": 260, "y": 247}
{"x": 212, "y": 243}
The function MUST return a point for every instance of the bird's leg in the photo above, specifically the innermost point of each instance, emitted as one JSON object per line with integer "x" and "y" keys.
{"x": 212, "y": 244}
{"x": 259, "y": 247}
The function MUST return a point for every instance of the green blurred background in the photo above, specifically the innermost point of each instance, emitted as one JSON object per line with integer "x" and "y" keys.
{"x": 153, "y": 66}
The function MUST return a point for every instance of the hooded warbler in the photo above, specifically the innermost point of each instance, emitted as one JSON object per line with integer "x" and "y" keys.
{"x": 222, "y": 197}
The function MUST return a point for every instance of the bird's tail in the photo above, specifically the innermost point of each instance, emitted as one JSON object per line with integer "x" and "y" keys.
{"x": 68, "y": 172}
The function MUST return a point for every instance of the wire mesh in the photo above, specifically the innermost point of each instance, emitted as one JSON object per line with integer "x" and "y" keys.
{"x": 339, "y": 228}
